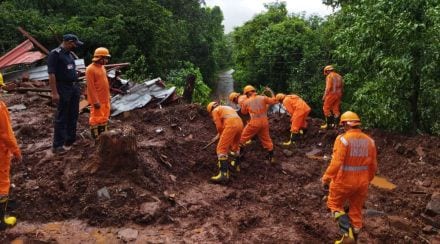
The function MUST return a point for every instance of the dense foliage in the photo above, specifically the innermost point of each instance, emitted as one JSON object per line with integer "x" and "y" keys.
{"x": 388, "y": 52}
{"x": 154, "y": 35}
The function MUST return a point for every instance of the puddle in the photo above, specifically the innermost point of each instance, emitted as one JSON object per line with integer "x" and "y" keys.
{"x": 382, "y": 183}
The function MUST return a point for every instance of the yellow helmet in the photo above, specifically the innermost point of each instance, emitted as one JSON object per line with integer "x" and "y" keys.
{"x": 211, "y": 106}
{"x": 350, "y": 118}
{"x": 248, "y": 88}
{"x": 328, "y": 68}
{"x": 100, "y": 52}
{"x": 233, "y": 96}
{"x": 280, "y": 97}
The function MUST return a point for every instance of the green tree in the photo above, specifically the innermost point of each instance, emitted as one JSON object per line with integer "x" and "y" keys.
{"x": 391, "y": 51}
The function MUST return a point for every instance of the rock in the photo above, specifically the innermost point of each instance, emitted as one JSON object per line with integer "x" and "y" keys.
{"x": 173, "y": 178}
{"x": 288, "y": 153}
{"x": 128, "y": 234}
{"x": 400, "y": 223}
{"x": 150, "y": 208}
{"x": 426, "y": 183}
{"x": 400, "y": 149}
{"x": 433, "y": 206}
{"x": 103, "y": 193}
{"x": 428, "y": 230}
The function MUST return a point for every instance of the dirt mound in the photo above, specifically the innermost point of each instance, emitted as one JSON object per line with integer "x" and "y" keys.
{"x": 169, "y": 189}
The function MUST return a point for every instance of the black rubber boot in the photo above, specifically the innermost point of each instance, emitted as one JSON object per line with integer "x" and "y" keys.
{"x": 223, "y": 174}
{"x": 102, "y": 128}
{"x": 270, "y": 157}
{"x": 345, "y": 228}
{"x": 235, "y": 162}
{"x": 5, "y": 222}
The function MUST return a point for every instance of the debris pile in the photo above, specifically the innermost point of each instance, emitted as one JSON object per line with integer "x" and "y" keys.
{"x": 168, "y": 188}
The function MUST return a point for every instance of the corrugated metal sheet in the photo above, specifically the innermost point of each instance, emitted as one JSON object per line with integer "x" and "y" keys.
{"x": 21, "y": 54}
{"x": 140, "y": 95}
{"x": 40, "y": 72}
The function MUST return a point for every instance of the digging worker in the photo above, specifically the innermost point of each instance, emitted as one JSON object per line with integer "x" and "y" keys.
{"x": 98, "y": 92}
{"x": 229, "y": 127}
{"x": 351, "y": 169}
{"x": 256, "y": 106}
{"x": 334, "y": 87}
{"x": 298, "y": 110}
{"x": 8, "y": 149}
{"x": 237, "y": 99}
{"x": 63, "y": 79}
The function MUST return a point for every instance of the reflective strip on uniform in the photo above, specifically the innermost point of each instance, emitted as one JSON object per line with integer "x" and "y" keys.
{"x": 354, "y": 168}
{"x": 342, "y": 139}
{"x": 334, "y": 83}
{"x": 222, "y": 156}
{"x": 227, "y": 116}
{"x": 359, "y": 147}
{"x": 256, "y": 104}
{"x": 256, "y": 116}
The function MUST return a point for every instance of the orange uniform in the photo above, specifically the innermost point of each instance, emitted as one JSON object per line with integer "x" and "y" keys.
{"x": 8, "y": 147}
{"x": 98, "y": 91}
{"x": 229, "y": 126}
{"x": 334, "y": 86}
{"x": 256, "y": 106}
{"x": 351, "y": 169}
{"x": 298, "y": 110}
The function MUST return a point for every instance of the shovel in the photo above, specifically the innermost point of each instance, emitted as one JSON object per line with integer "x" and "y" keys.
{"x": 211, "y": 142}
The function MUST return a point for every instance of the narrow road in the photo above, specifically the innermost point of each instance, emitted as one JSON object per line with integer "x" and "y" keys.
{"x": 225, "y": 85}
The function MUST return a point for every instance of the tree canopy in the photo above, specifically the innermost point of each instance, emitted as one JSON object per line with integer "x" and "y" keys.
{"x": 388, "y": 52}
{"x": 159, "y": 34}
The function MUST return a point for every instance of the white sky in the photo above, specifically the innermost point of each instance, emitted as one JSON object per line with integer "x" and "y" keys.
{"x": 236, "y": 12}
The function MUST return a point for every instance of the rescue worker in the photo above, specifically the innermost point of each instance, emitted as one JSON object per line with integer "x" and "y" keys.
{"x": 256, "y": 106}
{"x": 334, "y": 86}
{"x": 65, "y": 91}
{"x": 8, "y": 148}
{"x": 298, "y": 110}
{"x": 229, "y": 127}
{"x": 237, "y": 99}
{"x": 351, "y": 169}
{"x": 98, "y": 92}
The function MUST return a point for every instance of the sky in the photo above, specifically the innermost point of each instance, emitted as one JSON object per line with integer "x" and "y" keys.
{"x": 236, "y": 12}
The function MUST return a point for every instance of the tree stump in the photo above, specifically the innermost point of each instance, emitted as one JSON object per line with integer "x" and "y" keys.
{"x": 189, "y": 88}
{"x": 117, "y": 150}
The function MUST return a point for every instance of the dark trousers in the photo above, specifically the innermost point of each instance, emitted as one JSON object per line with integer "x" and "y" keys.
{"x": 66, "y": 115}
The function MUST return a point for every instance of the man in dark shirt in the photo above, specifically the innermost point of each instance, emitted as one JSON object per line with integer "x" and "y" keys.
{"x": 63, "y": 81}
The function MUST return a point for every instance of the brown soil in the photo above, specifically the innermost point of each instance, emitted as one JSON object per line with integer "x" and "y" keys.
{"x": 169, "y": 190}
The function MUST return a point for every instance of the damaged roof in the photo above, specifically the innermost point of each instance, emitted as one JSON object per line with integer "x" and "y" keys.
{"x": 21, "y": 54}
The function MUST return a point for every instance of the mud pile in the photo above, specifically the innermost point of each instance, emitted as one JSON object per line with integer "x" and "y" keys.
{"x": 169, "y": 191}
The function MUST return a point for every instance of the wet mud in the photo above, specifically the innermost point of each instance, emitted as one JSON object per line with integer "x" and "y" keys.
{"x": 167, "y": 197}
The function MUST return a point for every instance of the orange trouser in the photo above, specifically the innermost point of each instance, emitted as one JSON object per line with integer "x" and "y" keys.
{"x": 259, "y": 127}
{"x": 331, "y": 105}
{"x": 230, "y": 139}
{"x": 355, "y": 195}
{"x": 5, "y": 165}
{"x": 99, "y": 116}
{"x": 299, "y": 120}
